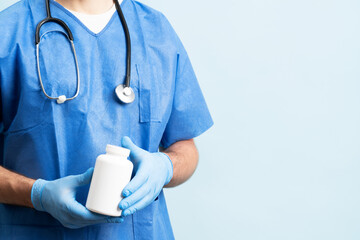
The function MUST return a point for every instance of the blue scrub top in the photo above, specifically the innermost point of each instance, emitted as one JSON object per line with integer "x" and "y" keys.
{"x": 42, "y": 139}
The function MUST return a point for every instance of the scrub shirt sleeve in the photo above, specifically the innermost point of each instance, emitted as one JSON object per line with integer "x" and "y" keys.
{"x": 1, "y": 117}
{"x": 1, "y": 111}
{"x": 1, "y": 131}
{"x": 189, "y": 116}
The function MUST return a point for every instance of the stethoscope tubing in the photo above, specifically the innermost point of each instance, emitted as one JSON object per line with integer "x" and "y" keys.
{"x": 77, "y": 73}
{"x": 128, "y": 43}
{"x": 49, "y": 18}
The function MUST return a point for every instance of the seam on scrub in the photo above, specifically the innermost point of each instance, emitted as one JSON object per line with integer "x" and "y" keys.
{"x": 133, "y": 224}
{"x": 150, "y": 120}
{"x": 182, "y": 66}
{"x": 17, "y": 131}
{"x": 137, "y": 68}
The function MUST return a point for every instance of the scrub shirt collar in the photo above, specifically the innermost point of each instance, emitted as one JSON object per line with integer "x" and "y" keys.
{"x": 38, "y": 13}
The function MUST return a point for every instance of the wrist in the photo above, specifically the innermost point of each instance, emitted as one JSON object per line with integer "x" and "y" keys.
{"x": 170, "y": 167}
{"x": 36, "y": 194}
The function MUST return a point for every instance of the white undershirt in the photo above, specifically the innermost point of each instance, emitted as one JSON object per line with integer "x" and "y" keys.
{"x": 95, "y": 22}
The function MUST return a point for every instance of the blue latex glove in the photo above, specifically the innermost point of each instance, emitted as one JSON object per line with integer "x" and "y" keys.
{"x": 152, "y": 172}
{"x": 58, "y": 198}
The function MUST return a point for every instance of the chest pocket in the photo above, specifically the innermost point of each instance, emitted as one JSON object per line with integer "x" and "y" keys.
{"x": 149, "y": 94}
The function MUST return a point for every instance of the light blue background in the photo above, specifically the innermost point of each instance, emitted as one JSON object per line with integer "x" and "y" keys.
{"x": 282, "y": 80}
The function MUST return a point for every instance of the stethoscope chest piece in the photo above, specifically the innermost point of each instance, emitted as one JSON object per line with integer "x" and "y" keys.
{"x": 125, "y": 94}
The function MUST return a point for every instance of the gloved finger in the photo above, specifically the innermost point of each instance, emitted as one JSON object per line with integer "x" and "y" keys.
{"x": 135, "y": 151}
{"x": 79, "y": 212}
{"x": 81, "y": 179}
{"x": 144, "y": 202}
{"x": 135, "y": 197}
{"x": 139, "y": 180}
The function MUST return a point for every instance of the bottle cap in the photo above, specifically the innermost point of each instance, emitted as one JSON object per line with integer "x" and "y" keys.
{"x": 117, "y": 150}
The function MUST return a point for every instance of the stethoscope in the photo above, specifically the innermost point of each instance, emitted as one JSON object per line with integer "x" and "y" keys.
{"x": 123, "y": 91}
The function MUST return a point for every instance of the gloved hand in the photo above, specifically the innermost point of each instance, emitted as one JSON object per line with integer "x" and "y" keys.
{"x": 58, "y": 198}
{"x": 152, "y": 172}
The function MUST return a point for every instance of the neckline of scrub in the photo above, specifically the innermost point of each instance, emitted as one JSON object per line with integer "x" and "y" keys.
{"x": 59, "y": 6}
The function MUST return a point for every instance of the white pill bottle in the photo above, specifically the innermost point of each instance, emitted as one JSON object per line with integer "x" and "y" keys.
{"x": 112, "y": 173}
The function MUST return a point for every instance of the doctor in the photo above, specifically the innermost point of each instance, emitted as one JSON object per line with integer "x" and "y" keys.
{"x": 48, "y": 147}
